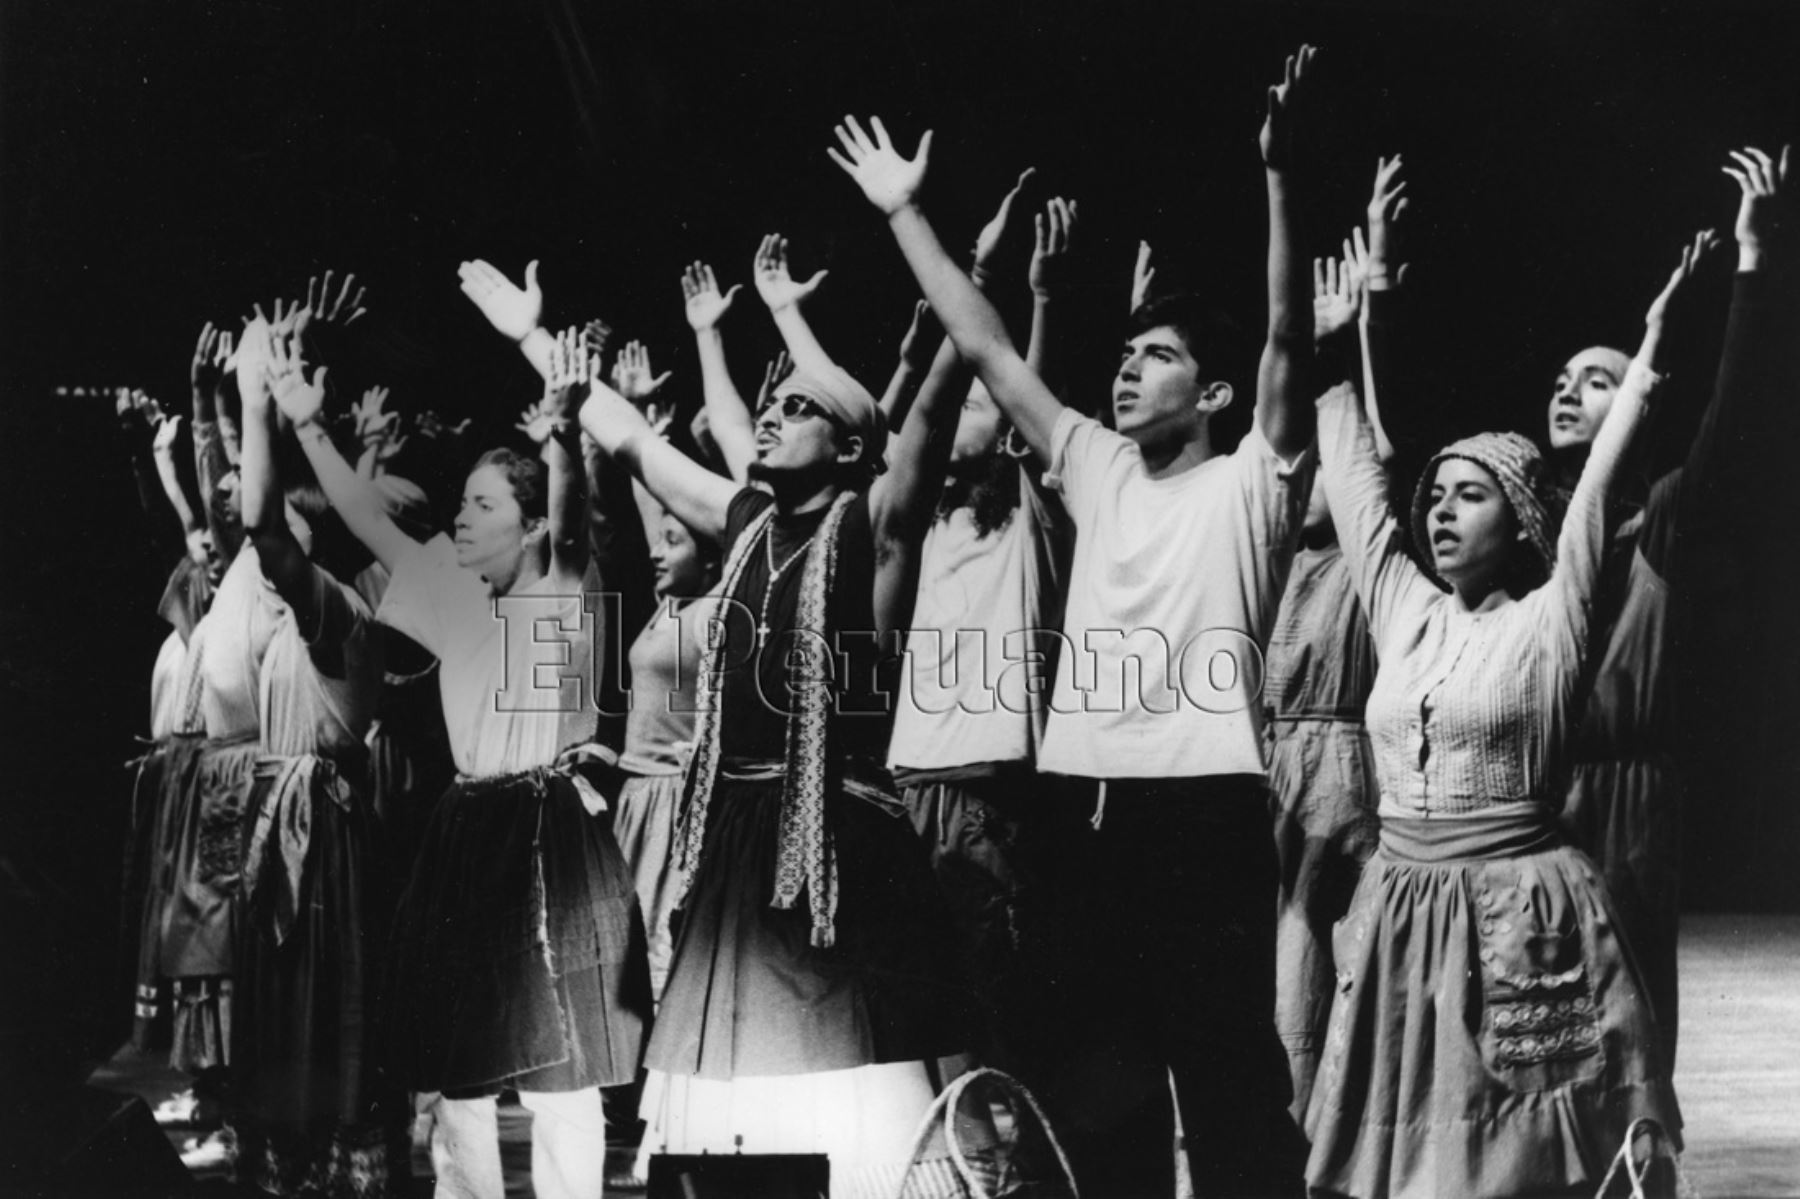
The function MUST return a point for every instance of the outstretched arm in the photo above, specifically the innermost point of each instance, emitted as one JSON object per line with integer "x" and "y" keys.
{"x": 1582, "y": 539}
{"x": 513, "y": 311}
{"x": 207, "y": 376}
{"x": 1748, "y": 428}
{"x": 892, "y": 184}
{"x": 572, "y": 371}
{"x": 732, "y": 429}
{"x": 918, "y": 350}
{"x": 784, "y": 297}
{"x": 1284, "y": 409}
{"x": 1049, "y": 275}
{"x": 693, "y": 494}
{"x": 284, "y": 563}
{"x": 302, "y": 401}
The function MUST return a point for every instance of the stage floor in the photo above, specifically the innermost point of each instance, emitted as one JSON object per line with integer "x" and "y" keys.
{"x": 1738, "y": 1076}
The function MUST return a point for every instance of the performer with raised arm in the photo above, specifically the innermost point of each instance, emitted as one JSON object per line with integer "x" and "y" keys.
{"x": 1181, "y": 554}
{"x": 517, "y": 955}
{"x": 1626, "y": 788}
{"x": 812, "y": 976}
{"x": 970, "y": 708}
{"x": 311, "y": 1110}
{"x": 1490, "y": 1035}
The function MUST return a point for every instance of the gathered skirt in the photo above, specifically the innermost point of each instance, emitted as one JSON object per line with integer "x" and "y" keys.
{"x": 749, "y": 994}
{"x": 517, "y": 953}
{"x": 197, "y": 928}
{"x": 1490, "y": 1034}
{"x": 644, "y": 825}
{"x": 163, "y": 778}
{"x": 315, "y": 1112}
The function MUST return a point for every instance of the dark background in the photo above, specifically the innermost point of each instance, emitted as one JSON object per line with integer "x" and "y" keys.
{"x": 167, "y": 163}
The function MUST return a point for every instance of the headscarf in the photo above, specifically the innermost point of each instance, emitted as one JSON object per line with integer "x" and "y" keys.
{"x": 849, "y": 402}
{"x": 1519, "y": 468}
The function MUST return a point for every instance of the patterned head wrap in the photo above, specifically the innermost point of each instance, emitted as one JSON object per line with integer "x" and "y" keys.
{"x": 1519, "y": 468}
{"x": 849, "y": 403}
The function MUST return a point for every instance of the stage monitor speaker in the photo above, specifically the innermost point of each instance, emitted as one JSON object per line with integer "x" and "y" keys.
{"x": 739, "y": 1176}
{"x": 88, "y": 1141}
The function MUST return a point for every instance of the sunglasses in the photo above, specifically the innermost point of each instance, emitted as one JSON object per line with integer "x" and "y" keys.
{"x": 794, "y": 407}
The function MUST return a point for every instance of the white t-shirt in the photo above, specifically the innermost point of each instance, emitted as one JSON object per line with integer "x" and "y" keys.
{"x": 516, "y": 671}
{"x": 976, "y": 680}
{"x": 1173, "y": 591}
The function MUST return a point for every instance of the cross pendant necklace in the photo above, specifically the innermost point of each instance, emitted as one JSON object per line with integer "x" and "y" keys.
{"x": 775, "y": 573}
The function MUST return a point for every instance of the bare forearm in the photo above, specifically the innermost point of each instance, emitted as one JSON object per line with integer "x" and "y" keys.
{"x": 726, "y": 413}
{"x": 567, "y": 504}
{"x": 1045, "y": 364}
{"x": 975, "y": 327}
{"x": 693, "y": 495}
{"x": 1283, "y": 409}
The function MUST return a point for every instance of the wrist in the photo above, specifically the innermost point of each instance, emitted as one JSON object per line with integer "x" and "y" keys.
{"x": 1750, "y": 258}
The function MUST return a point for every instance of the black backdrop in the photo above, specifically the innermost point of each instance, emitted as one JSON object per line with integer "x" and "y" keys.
{"x": 166, "y": 163}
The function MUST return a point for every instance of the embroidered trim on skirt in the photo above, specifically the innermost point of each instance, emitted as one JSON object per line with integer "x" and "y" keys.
{"x": 315, "y": 1112}
{"x": 644, "y": 824}
{"x": 1490, "y": 1034}
{"x": 517, "y": 954}
{"x": 197, "y": 922}
{"x": 750, "y": 994}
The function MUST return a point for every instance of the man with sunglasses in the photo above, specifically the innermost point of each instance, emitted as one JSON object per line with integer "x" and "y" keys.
{"x": 812, "y": 964}
{"x": 1181, "y": 554}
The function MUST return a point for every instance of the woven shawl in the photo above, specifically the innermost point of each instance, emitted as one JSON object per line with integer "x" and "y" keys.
{"x": 804, "y": 857}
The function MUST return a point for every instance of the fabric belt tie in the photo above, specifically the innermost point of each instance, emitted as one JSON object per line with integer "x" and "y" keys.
{"x": 1469, "y": 838}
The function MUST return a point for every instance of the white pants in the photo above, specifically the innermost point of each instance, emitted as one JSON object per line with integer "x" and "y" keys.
{"x": 568, "y": 1145}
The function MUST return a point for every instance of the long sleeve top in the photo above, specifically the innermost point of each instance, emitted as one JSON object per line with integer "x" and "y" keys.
{"x": 1471, "y": 710}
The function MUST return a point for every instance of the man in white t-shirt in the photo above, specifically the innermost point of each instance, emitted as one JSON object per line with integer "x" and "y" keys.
{"x": 1181, "y": 555}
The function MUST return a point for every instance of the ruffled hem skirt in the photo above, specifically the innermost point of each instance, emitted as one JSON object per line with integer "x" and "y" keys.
{"x": 1490, "y": 1035}
{"x": 517, "y": 955}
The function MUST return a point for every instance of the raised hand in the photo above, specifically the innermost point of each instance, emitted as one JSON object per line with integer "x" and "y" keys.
{"x": 341, "y": 309}
{"x": 1677, "y": 292}
{"x": 1002, "y": 236}
{"x": 255, "y": 358}
{"x": 1055, "y": 226}
{"x": 773, "y": 283}
{"x": 571, "y": 371}
{"x": 1387, "y": 202}
{"x": 537, "y": 421}
{"x": 513, "y": 311}
{"x": 206, "y": 368}
{"x": 429, "y": 424}
{"x": 1143, "y": 277}
{"x": 367, "y": 415}
{"x": 168, "y": 427}
{"x": 1765, "y": 216}
{"x": 777, "y": 369}
{"x": 596, "y": 335}
{"x": 632, "y": 376}
{"x": 377, "y": 430}
{"x": 280, "y": 363}
{"x": 1337, "y": 294}
{"x": 889, "y": 181}
{"x": 1287, "y": 108}
{"x": 919, "y": 347}
{"x": 705, "y": 306}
